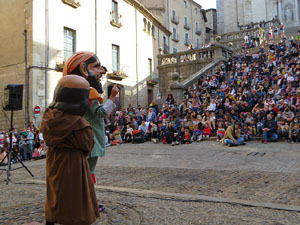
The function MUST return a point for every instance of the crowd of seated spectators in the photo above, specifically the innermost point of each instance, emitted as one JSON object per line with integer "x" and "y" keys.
{"x": 251, "y": 95}
{"x": 27, "y": 144}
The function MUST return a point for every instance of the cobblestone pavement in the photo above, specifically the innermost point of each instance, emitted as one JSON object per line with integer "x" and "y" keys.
{"x": 255, "y": 172}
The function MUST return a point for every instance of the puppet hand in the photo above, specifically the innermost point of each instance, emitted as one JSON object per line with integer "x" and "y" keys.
{"x": 114, "y": 92}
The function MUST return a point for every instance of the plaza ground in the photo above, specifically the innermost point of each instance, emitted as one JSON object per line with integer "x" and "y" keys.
{"x": 200, "y": 183}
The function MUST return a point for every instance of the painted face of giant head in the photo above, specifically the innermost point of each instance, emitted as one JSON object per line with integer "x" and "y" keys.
{"x": 95, "y": 72}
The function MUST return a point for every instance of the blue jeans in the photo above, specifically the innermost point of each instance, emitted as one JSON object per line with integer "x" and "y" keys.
{"x": 240, "y": 140}
{"x": 268, "y": 136}
{"x": 30, "y": 150}
{"x": 24, "y": 150}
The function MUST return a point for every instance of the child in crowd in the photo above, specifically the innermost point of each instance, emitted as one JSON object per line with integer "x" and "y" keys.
{"x": 42, "y": 149}
{"x": 259, "y": 127}
{"x": 212, "y": 119}
{"x": 220, "y": 131}
{"x": 197, "y": 133}
{"x": 248, "y": 118}
{"x": 283, "y": 129}
{"x": 245, "y": 133}
{"x": 116, "y": 136}
{"x": 128, "y": 133}
{"x": 187, "y": 137}
{"x": 153, "y": 132}
{"x": 206, "y": 130}
{"x": 252, "y": 127}
{"x": 296, "y": 134}
{"x": 36, "y": 154}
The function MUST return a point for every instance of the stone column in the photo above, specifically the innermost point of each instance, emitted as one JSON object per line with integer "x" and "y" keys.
{"x": 280, "y": 10}
{"x": 296, "y": 11}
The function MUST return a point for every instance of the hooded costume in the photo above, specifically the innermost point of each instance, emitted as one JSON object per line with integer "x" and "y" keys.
{"x": 96, "y": 112}
{"x": 71, "y": 198}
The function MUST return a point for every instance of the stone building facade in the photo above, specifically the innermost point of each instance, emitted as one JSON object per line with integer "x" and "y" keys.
{"x": 123, "y": 33}
{"x": 185, "y": 19}
{"x": 231, "y": 13}
{"x": 211, "y": 15}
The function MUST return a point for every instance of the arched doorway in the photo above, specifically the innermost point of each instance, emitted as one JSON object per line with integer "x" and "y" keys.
{"x": 119, "y": 101}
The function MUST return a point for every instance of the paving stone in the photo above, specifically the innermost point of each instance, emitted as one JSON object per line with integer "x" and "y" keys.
{"x": 208, "y": 169}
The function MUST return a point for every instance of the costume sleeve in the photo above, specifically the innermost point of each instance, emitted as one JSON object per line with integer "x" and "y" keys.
{"x": 102, "y": 110}
{"x": 85, "y": 139}
{"x": 109, "y": 106}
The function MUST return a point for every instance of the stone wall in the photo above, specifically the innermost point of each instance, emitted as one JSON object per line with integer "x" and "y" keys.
{"x": 232, "y": 13}
{"x": 12, "y": 57}
{"x": 211, "y": 15}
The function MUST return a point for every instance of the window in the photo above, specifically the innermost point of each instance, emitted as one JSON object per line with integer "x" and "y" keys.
{"x": 69, "y": 43}
{"x": 197, "y": 27}
{"x": 175, "y": 50}
{"x": 185, "y": 4}
{"x": 115, "y": 58}
{"x": 173, "y": 13}
{"x": 166, "y": 47}
{"x": 186, "y": 36}
{"x": 114, "y": 7}
{"x": 149, "y": 67}
{"x": 196, "y": 10}
{"x": 185, "y": 20}
{"x": 152, "y": 31}
{"x": 198, "y": 43}
{"x": 148, "y": 27}
{"x": 174, "y": 31}
{"x": 145, "y": 24}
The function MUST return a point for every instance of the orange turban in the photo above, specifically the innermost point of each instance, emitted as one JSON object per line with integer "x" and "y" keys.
{"x": 75, "y": 60}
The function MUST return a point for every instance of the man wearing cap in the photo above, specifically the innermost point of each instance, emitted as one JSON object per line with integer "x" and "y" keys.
{"x": 71, "y": 197}
{"x": 87, "y": 65}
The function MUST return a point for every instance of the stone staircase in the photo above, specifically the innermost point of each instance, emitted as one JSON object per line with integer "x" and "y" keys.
{"x": 291, "y": 31}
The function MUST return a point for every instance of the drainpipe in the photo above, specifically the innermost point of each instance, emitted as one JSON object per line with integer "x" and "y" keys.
{"x": 237, "y": 10}
{"x": 168, "y": 14}
{"x": 96, "y": 32}
{"x": 26, "y": 73}
{"x": 136, "y": 60}
{"x": 47, "y": 51}
{"x": 192, "y": 21}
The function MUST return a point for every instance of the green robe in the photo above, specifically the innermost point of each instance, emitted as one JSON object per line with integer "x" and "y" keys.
{"x": 95, "y": 116}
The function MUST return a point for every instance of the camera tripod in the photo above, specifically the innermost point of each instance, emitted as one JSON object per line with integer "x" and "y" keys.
{"x": 11, "y": 153}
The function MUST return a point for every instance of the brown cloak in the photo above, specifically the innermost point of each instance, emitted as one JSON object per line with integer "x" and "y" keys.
{"x": 71, "y": 198}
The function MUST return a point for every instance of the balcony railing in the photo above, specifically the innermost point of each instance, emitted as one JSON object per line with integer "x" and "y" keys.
{"x": 175, "y": 19}
{"x": 187, "y": 26}
{"x": 202, "y": 54}
{"x": 198, "y": 32}
{"x": 175, "y": 37}
{"x": 187, "y": 41}
{"x": 116, "y": 19}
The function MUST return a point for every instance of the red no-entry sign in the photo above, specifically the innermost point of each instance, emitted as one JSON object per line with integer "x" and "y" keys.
{"x": 37, "y": 110}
